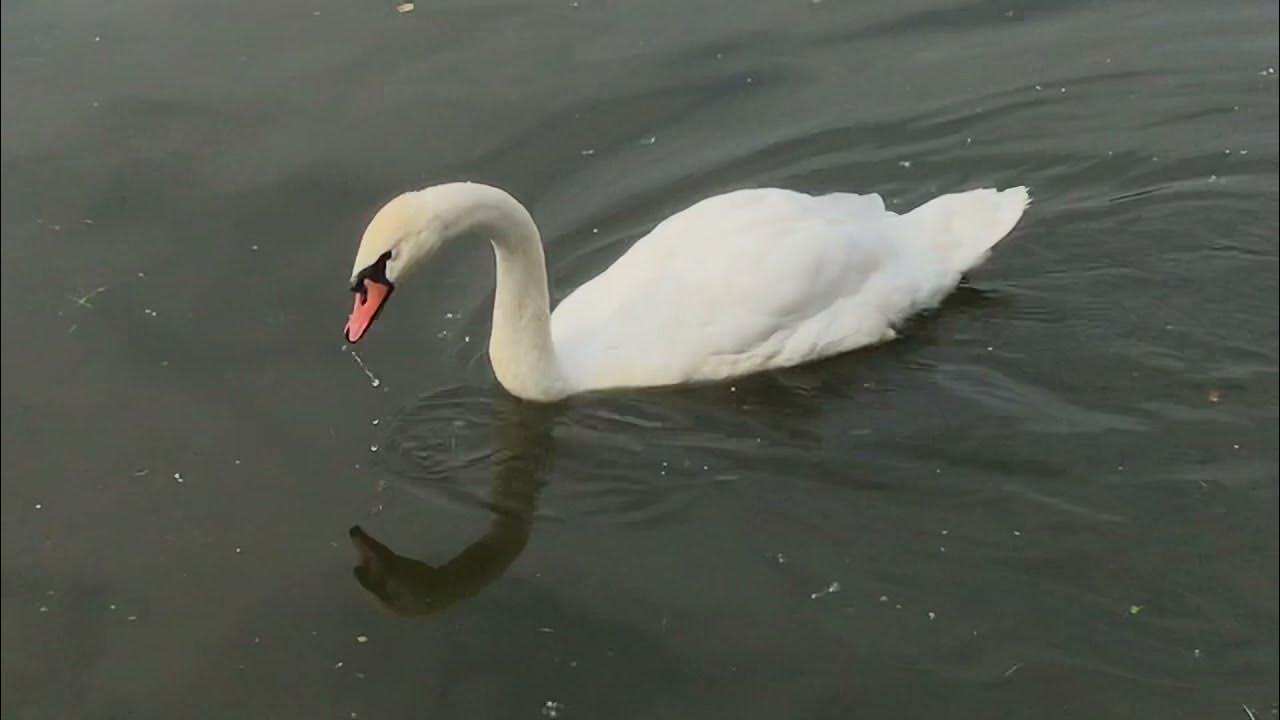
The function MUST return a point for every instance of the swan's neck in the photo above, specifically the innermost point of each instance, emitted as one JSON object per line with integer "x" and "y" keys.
{"x": 520, "y": 347}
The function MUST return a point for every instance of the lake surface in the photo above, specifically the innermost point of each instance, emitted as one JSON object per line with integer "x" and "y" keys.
{"x": 1054, "y": 496}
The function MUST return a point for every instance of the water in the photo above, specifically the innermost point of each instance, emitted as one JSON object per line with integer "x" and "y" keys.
{"x": 1056, "y": 496}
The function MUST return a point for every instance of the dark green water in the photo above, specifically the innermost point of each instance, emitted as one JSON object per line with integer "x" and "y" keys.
{"x": 1056, "y": 496}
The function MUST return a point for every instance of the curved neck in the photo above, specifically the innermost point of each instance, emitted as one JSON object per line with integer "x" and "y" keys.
{"x": 520, "y": 346}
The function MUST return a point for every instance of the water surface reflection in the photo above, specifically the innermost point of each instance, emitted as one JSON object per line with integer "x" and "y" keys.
{"x": 524, "y": 451}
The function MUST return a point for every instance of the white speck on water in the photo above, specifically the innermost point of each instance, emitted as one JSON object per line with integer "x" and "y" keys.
{"x": 832, "y": 588}
{"x": 1018, "y": 533}
{"x": 373, "y": 380}
{"x": 178, "y": 477}
{"x": 946, "y": 532}
{"x": 449, "y": 316}
{"x": 111, "y": 607}
{"x": 904, "y": 163}
{"x": 1038, "y": 88}
{"x": 1244, "y": 152}
{"x": 551, "y": 708}
{"x": 466, "y": 338}
{"x": 780, "y": 558}
{"x": 588, "y": 152}
{"x": 253, "y": 248}
{"x": 1012, "y": 670}
{"x": 39, "y": 506}
{"x": 237, "y": 461}
{"x": 375, "y": 421}
{"x": 595, "y": 231}
{"x": 338, "y": 664}
{"x": 373, "y": 447}
{"x": 884, "y": 598}
{"x": 362, "y": 639}
{"x": 546, "y": 629}
{"x": 932, "y": 616}
{"x": 1196, "y": 652}
{"x": 237, "y": 551}
{"x": 649, "y": 140}
{"x": 1062, "y": 90}
{"x": 132, "y": 618}
{"x": 1226, "y": 152}
{"x": 1213, "y": 178}
{"x": 44, "y": 609}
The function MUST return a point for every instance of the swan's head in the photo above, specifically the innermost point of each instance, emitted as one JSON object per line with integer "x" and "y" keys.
{"x": 403, "y": 234}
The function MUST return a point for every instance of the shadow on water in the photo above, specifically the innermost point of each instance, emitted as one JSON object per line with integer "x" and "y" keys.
{"x": 524, "y": 452}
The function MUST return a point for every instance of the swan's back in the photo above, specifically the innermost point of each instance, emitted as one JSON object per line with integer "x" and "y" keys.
{"x": 763, "y": 278}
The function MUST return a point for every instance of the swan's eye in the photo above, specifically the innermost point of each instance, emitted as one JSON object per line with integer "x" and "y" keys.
{"x": 377, "y": 271}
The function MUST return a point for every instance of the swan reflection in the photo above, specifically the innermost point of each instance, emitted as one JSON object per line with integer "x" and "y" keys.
{"x": 523, "y": 454}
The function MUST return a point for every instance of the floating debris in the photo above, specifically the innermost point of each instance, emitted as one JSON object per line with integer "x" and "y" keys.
{"x": 832, "y": 588}
{"x": 179, "y": 478}
{"x": 1012, "y": 670}
{"x": 362, "y": 639}
{"x": 1215, "y": 396}
{"x": 551, "y": 708}
{"x": 932, "y": 616}
{"x": 403, "y": 8}
{"x": 904, "y": 163}
{"x": 85, "y": 297}
{"x": 1135, "y": 609}
{"x": 588, "y": 152}
{"x": 649, "y": 140}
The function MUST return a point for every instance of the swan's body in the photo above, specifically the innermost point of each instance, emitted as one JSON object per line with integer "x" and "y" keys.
{"x": 738, "y": 283}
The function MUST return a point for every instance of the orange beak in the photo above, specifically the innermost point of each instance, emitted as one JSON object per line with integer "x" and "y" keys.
{"x": 371, "y": 295}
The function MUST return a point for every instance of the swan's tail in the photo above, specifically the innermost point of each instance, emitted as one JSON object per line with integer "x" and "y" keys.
{"x": 960, "y": 229}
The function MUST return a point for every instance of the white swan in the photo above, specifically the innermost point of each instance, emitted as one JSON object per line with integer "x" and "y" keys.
{"x": 735, "y": 284}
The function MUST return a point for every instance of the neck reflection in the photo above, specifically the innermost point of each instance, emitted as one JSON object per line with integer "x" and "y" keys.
{"x": 523, "y": 454}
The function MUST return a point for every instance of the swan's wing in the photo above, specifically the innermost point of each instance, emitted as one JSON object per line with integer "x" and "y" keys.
{"x": 726, "y": 282}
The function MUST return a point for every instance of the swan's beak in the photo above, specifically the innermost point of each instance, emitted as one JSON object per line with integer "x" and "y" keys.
{"x": 371, "y": 295}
